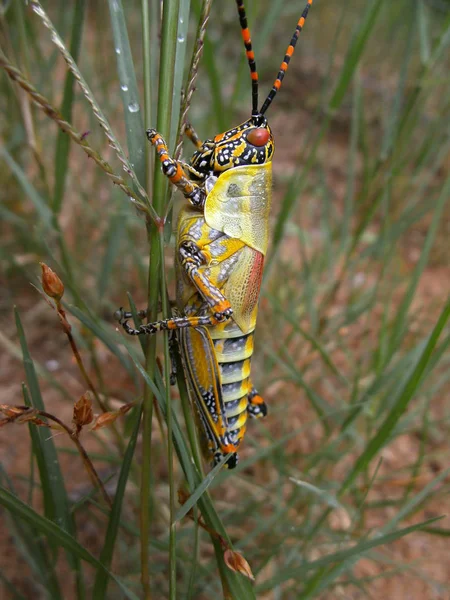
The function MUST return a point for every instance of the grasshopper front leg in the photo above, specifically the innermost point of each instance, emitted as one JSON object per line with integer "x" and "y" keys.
{"x": 173, "y": 169}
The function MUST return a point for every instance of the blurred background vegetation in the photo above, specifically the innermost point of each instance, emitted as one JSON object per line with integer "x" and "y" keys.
{"x": 337, "y": 489}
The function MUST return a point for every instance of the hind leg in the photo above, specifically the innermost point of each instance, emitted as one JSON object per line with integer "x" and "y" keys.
{"x": 257, "y": 408}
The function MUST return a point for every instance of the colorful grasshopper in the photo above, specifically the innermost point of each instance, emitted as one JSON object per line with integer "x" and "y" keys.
{"x": 221, "y": 243}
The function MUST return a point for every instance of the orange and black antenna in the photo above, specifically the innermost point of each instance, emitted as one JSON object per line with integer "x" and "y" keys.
{"x": 287, "y": 58}
{"x": 250, "y": 54}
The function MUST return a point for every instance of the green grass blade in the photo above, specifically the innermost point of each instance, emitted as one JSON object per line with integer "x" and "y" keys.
{"x": 59, "y": 536}
{"x": 400, "y": 403}
{"x": 63, "y": 140}
{"x": 355, "y": 552}
{"x": 440, "y": 531}
{"x": 160, "y": 186}
{"x": 40, "y": 205}
{"x": 55, "y": 495}
{"x": 198, "y": 492}
{"x": 325, "y": 576}
{"x": 239, "y": 586}
{"x": 313, "y": 340}
{"x": 391, "y": 134}
{"x": 183, "y": 25}
{"x": 56, "y": 501}
{"x": 11, "y": 588}
{"x": 352, "y": 158}
{"x": 355, "y": 52}
{"x": 399, "y": 325}
{"x": 34, "y": 550}
{"x": 101, "y": 579}
{"x": 134, "y": 125}
{"x": 115, "y": 234}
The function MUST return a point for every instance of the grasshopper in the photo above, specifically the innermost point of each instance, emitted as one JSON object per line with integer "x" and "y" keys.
{"x": 222, "y": 239}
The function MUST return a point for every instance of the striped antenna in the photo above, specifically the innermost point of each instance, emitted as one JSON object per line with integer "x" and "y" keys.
{"x": 287, "y": 58}
{"x": 250, "y": 54}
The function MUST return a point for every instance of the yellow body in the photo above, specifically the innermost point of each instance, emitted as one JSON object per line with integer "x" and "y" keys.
{"x": 232, "y": 234}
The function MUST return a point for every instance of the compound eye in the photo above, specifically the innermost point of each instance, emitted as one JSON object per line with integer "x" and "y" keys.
{"x": 259, "y": 136}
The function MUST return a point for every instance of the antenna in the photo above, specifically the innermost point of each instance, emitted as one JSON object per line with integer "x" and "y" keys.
{"x": 287, "y": 58}
{"x": 250, "y": 54}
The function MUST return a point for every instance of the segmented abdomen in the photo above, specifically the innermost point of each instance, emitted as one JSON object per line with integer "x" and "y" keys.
{"x": 234, "y": 356}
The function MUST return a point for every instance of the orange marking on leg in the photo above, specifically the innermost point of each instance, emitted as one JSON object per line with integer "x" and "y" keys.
{"x": 222, "y": 306}
{"x": 277, "y": 84}
{"x": 227, "y": 448}
{"x": 290, "y": 50}
{"x": 257, "y": 399}
{"x": 202, "y": 286}
{"x": 178, "y": 175}
{"x": 284, "y": 66}
{"x": 158, "y": 141}
{"x": 301, "y": 22}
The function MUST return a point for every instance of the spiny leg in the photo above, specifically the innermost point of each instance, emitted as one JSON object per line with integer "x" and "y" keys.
{"x": 170, "y": 324}
{"x": 122, "y": 315}
{"x": 173, "y": 352}
{"x": 173, "y": 169}
{"x": 257, "y": 408}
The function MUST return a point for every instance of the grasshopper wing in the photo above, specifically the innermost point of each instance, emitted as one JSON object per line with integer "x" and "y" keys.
{"x": 205, "y": 386}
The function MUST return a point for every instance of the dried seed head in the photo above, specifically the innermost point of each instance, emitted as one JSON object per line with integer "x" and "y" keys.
{"x": 109, "y": 417}
{"x": 36, "y": 421}
{"x": 104, "y": 420}
{"x": 51, "y": 283}
{"x": 126, "y": 407}
{"x": 13, "y": 412}
{"x": 236, "y": 562}
{"x": 82, "y": 411}
{"x": 21, "y": 415}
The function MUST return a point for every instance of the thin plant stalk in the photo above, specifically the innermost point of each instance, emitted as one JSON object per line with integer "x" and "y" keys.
{"x": 167, "y": 69}
{"x": 172, "y": 531}
{"x": 148, "y": 61}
